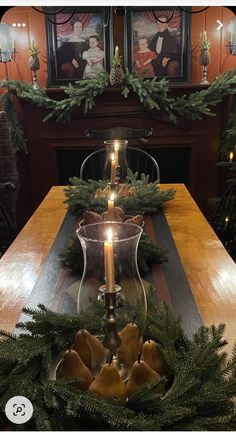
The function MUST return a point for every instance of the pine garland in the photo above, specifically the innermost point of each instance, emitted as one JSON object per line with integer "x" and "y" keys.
{"x": 153, "y": 94}
{"x": 80, "y": 195}
{"x": 199, "y": 390}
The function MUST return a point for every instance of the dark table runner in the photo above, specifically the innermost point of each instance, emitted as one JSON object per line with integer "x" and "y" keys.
{"x": 169, "y": 278}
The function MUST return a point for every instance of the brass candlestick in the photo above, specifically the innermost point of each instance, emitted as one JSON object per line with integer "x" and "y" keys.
{"x": 112, "y": 339}
{"x": 204, "y": 76}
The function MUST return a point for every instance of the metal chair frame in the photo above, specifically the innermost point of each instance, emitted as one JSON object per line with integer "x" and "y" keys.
{"x": 139, "y": 150}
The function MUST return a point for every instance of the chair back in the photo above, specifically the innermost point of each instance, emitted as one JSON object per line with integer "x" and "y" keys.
{"x": 138, "y": 160}
{"x": 224, "y": 220}
{"x": 119, "y": 133}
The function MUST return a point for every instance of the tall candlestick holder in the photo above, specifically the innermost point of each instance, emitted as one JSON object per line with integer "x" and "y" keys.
{"x": 112, "y": 340}
{"x": 126, "y": 298}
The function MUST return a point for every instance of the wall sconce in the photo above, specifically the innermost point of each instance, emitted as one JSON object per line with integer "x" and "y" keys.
{"x": 7, "y": 43}
{"x": 232, "y": 31}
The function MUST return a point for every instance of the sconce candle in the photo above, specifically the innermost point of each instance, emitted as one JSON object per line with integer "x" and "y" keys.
{"x": 231, "y": 156}
{"x": 204, "y": 35}
{"x": 113, "y": 169}
{"x": 111, "y": 202}
{"x": 109, "y": 262}
{"x": 117, "y": 51}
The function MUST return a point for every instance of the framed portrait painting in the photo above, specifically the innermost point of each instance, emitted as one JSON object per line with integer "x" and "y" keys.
{"x": 158, "y": 42}
{"x": 79, "y": 43}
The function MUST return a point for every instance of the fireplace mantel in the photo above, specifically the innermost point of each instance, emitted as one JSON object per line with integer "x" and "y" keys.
{"x": 46, "y": 139}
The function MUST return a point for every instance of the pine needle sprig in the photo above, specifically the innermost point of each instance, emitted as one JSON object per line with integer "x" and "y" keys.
{"x": 84, "y": 93}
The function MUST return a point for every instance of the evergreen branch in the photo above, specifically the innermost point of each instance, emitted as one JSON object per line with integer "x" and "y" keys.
{"x": 85, "y": 93}
{"x": 197, "y": 393}
{"x": 148, "y": 197}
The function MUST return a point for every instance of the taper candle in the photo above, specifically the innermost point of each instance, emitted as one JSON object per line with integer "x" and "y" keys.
{"x": 116, "y": 152}
{"x": 109, "y": 262}
{"x": 111, "y": 202}
{"x": 113, "y": 169}
{"x": 117, "y": 51}
{"x": 231, "y": 156}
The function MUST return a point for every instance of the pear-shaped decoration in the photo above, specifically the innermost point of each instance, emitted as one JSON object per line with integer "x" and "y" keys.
{"x": 131, "y": 341}
{"x": 108, "y": 383}
{"x": 151, "y": 354}
{"x": 140, "y": 375}
{"x": 89, "y": 348}
{"x": 73, "y": 367}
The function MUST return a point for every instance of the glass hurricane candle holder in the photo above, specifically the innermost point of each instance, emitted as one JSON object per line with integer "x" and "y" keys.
{"x": 123, "y": 284}
{"x": 116, "y": 161}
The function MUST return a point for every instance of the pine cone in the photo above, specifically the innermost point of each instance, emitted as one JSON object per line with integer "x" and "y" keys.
{"x": 34, "y": 63}
{"x": 204, "y": 58}
{"x": 116, "y": 76}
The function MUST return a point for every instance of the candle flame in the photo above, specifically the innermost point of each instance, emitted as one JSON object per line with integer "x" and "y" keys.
{"x": 231, "y": 156}
{"x": 116, "y": 146}
{"x": 109, "y": 235}
{"x": 112, "y": 156}
{"x": 112, "y": 196}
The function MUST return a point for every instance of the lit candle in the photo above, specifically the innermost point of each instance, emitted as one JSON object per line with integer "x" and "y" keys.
{"x": 111, "y": 202}
{"x": 117, "y": 51}
{"x": 109, "y": 263}
{"x": 204, "y": 35}
{"x": 116, "y": 152}
{"x": 231, "y": 156}
{"x": 113, "y": 169}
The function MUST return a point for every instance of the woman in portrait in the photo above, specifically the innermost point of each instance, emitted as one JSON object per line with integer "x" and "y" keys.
{"x": 71, "y": 64}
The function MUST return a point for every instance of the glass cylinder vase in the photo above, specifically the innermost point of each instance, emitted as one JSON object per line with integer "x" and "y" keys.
{"x": 129, "y": 297}
{"x": 116, "y": 161}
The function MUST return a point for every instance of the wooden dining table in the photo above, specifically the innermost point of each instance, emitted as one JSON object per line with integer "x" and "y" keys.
{"x": 210, "y": 271}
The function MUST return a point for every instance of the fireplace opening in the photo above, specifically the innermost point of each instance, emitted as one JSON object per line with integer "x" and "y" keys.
{"x": 174, "y": 163}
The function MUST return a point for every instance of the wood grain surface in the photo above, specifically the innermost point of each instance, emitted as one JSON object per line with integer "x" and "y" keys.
{"x": 210, "y": 270}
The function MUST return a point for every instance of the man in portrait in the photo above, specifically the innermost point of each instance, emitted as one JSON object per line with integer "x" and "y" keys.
{"x": 167, "y": 48}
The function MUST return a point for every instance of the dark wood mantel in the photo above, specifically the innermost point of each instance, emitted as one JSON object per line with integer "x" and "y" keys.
{"x": 45, "y": 139}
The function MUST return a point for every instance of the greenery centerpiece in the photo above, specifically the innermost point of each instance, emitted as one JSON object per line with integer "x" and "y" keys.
{"x": 141, "y": 197}
{"x": 197, "y": 392}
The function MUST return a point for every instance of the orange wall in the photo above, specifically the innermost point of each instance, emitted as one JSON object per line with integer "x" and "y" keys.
{"x": 221, "y": 59}
{"x": 34, "y": 30}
